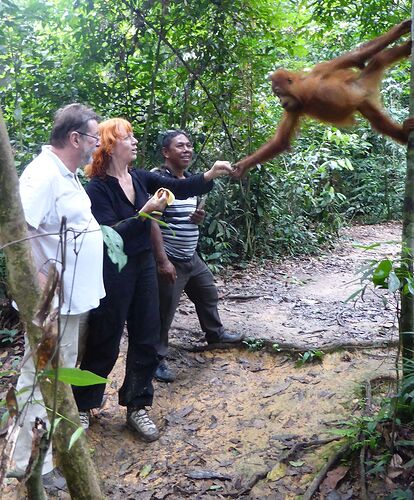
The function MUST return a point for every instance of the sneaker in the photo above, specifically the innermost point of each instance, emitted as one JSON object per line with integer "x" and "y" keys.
{"x": 84, "y": 419}
{"x": 54, "y": 481}
{"x": 163, "y": 373}
{"x": 138, "y": 420}
{"x": 225, "y": 337}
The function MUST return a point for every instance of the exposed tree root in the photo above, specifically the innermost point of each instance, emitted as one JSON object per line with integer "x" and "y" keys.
{"x": 269, "y": 345}
{"x": 292, "y": 452}
{"x": 317, "y": 480}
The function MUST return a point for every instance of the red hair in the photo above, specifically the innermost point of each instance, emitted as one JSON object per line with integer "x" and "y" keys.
{"x": 110, "y": 131}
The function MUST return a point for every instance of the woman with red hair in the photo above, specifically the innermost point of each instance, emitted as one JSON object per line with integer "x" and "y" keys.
{"x": 118, "y": 193}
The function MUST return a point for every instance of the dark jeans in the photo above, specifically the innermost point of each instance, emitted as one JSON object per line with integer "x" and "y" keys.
{"x": 196, "y": 279}
{"x": 131, "y": 296}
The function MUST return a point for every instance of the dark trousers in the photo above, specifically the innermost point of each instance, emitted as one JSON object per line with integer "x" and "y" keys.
{"x": 131, "y": 296}
{"x": 196, "y": 279}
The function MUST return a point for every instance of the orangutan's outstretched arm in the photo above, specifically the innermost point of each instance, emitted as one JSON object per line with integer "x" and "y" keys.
{"x": 279, "y": 143}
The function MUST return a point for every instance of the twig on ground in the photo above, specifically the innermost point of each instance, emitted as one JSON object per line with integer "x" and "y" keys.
{"x": 362, "y": 455}
{"x": 317, "y": 480}
{"x": 339, "y": 318}
{"x": 241, "y": 297}
{"x": 284, "y": 458}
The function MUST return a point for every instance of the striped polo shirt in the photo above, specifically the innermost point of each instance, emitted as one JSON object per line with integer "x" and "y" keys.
{"x": 181, "y": 238}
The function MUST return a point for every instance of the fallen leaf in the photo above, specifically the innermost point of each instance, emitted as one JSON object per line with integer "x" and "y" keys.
{"x": 278, "y": 471}
{"x": 279, "y": 389}
{"x": 298, "y": 463}
{"x": 226, "y": 463}
{"x": 143, "y": 473}
{"x": 11, "y": 402}
{"x": 177, "y": 416}
{"x": 215, "y": 487}
{"x": 125, "y": 468}
{"x": 396, "y": 461}
{"x": 213, "y": 422}
{"x": 258, "y": 423}
{"x": 332, "y": 479}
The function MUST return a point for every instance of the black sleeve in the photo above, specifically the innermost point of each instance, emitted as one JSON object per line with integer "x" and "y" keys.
{"x": 182, "y": 188}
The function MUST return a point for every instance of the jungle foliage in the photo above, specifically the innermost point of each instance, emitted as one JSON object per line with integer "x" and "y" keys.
{"x": 202, "y": 65}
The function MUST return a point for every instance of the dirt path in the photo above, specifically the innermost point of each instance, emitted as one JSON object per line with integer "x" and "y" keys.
{"x": 231, "y": 413}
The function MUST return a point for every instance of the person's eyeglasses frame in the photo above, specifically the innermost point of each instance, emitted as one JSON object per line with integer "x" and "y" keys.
{"x": 97, "y": 139}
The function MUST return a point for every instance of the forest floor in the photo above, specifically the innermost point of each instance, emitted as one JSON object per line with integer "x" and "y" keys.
{"x": 229, "y": 420}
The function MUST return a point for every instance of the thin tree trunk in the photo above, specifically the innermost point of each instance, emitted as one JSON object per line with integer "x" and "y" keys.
{"x": 76, "y": 463}
{"x": 155, "y": 74}
{"x": 406, "y": 325}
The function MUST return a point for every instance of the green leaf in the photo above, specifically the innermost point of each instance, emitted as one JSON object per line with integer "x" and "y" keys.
{"x": 278, "y": 471}
{"x": 366, "y": 247}
{"x": 404, "y": 442}
{"x": 410, "y": 286}
{"x": 57, "y": 422}
{"x": 143, "y": 473}
{"x": 394, "y": 283}
{"x": 75, "y": 376}
{"x": 4, "y": 418}
{"x": 298, "y": 463}
{"x": 115, "y": 246}
{"x": 381, "y": 273}
{"x": 156, "y": 219}
{"x": 55, "y": 425}
{"x": 353, "y": 295}
{"x": 7, "y": 373}
{"x": 75, "y": 436}
{"x": 409, "y": 464}
{"x": 213, "y": 256}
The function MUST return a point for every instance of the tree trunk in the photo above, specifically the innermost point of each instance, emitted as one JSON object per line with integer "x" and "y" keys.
{"x": 76, "y": 463}
{"x": 406, "y": 325}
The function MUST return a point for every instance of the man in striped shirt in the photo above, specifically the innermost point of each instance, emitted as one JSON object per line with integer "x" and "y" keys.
{"x": 179, "y": 266}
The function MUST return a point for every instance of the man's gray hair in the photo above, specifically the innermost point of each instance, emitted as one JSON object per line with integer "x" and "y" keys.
{"x": 73, "y": 117}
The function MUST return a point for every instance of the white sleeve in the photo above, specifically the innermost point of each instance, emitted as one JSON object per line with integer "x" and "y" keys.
{"x": 36, "y": 193}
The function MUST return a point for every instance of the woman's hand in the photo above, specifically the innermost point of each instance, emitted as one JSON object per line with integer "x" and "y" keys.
{"x": 156, "y": 203}
{"x": 219, "y": 168}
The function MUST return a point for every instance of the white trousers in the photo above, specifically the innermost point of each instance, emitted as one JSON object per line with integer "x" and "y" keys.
{"x": 30, "y": 401}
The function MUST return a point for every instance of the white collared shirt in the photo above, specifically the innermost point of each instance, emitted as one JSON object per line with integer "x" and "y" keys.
{"x": 49, "y": 191}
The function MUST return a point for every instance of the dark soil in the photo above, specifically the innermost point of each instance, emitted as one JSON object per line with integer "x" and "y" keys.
{"x": 229, "y": 419}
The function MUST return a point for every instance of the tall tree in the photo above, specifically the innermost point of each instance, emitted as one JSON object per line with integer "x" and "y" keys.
{"x": 75, "y": 461}
{"x": 406, "y": 326}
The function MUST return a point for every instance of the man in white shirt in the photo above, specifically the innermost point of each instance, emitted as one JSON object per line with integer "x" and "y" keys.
{"x": 50, "y": 190}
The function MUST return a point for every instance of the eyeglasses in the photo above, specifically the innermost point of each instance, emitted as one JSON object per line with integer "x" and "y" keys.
{"x": 97, "y": 139}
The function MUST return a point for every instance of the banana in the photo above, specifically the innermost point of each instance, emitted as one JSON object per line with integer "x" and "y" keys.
{"x": 170, "y": 195}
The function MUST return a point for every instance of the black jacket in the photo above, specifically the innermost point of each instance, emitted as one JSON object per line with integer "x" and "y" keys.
{"x": 110, "y": 204}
